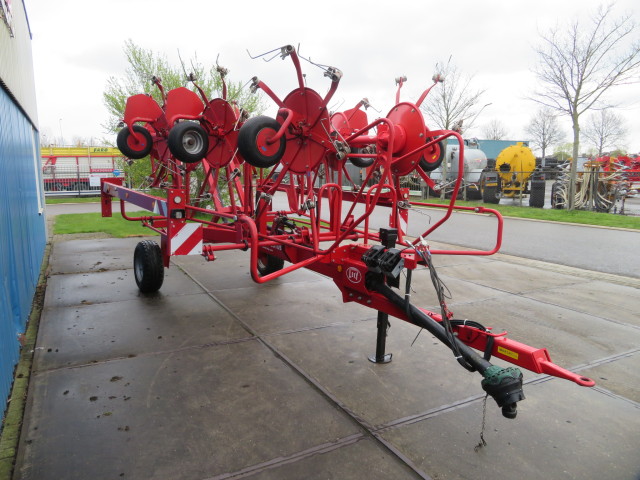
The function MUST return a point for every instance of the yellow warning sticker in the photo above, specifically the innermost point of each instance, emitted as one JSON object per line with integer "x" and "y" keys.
{"x": 508, "y": 353}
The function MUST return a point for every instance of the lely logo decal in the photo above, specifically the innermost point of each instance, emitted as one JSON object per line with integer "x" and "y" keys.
{"x": 354, "y": 275}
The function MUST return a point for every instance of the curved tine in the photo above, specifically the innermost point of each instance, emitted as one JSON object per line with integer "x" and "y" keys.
{"x": 264, "y": 54}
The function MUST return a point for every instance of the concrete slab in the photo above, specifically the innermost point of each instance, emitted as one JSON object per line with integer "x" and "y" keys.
{"x": 231, "y": 270}
{"x": 562, "y": 432}
{"x": 508, "y": 277}
{"x": 621, "y": 377}
{"x": 109, "y": 286}
{"x": 614, "y": 302}
{"x": 94, "y": 333}
{"x": 572, "y": 338}
{"x": 418, "y": 379}
{"x": 291, "y": 306}
{"x": 192, "y": 413}
{"x": 362, "y": 460}
{"x": 460, "y": 291}
{"x": 207, "y": 401}
{"x": 95, "y": 255}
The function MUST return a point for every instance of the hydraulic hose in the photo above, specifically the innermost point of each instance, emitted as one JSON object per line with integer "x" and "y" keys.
{"x": 503, "y": 384}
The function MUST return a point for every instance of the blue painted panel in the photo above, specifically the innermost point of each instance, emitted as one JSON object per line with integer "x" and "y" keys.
{"x": 22, "y": 233}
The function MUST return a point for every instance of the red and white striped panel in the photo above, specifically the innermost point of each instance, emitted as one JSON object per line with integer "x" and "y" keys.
{"x": 187, "y": 240}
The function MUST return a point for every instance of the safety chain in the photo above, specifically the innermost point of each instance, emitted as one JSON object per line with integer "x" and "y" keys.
{"x": 482, "y": 442}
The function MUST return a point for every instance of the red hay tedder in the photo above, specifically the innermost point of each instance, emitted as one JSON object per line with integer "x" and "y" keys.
{"x": 322, "y": 219}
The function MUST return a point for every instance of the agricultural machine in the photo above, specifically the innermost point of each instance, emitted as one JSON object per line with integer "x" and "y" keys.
{"x": 263, "y": 175}
{"x": 474, "y": 163}
{"x": 515, "y": 175}
{"x": 602, "y": 185}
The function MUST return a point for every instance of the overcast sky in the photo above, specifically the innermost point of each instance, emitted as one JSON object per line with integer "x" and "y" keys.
{"x": 78, "y": 45}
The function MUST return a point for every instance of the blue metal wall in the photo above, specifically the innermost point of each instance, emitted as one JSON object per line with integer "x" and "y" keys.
{"x": 22, "y": 232}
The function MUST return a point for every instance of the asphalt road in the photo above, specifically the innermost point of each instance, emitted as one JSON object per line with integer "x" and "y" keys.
{"x": 606, "y": 250}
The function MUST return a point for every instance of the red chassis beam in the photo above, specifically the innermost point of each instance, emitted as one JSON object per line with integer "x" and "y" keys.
{"x": 343, "y": 264}
{"x": 348, "y": 271}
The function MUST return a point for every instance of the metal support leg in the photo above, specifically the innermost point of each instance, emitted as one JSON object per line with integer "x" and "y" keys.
{"x": 383, "y": 326}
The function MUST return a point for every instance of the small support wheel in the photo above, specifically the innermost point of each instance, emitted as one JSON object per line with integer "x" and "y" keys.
{"x": 252, "y": 142}
{"x": 435, "y": 161}
{"x": 134, "y": 146}
{"x": 269, "y": 264}
{"x": 362, "y": 162}
{"x": 188, "y": 142}
{"x": 148, "y": 267}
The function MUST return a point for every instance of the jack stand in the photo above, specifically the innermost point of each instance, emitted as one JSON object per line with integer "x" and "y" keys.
{"x": 388, "y": 237}
{"x": 383, "y": 325}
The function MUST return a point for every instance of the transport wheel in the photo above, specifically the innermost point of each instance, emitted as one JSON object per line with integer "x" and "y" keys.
{"x": 536, "y": 197}
{"x": 188, "y": 142}
{"x": 362, "y": 162}
{"x": 252, "y": 142}
{"x": 268, "y": 263}
{"x": 147, "y": 266}
{"x": 133, "y": 147}
{"x": 431, "y": 166}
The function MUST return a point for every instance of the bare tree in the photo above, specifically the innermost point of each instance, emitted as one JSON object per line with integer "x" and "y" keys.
{"x": 495, "y": 130}
{"x": 454, "y": 102}
{"x": 578, "y": 64}
{"x": 544, "y": 131}
{"x": 604, "y": 129}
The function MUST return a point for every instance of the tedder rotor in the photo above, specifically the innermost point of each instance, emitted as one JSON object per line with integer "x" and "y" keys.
{"x": 280, "y": 189}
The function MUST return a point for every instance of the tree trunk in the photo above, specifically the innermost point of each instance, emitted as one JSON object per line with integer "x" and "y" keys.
{"x": 574, "y": 164}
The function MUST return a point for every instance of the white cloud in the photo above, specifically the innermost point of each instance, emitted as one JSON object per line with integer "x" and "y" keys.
{"x": 77, "y": 45}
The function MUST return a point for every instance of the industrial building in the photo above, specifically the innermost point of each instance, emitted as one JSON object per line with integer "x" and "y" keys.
{"x": 23, "y": 234}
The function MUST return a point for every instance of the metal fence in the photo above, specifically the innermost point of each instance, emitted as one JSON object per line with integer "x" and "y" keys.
{"x": 76, "y": 175}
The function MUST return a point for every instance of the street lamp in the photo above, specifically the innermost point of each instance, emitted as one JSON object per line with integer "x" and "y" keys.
{"x": 61, "y": 136}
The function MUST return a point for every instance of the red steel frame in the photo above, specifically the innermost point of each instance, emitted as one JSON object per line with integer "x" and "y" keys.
{"x": 315, "y": 142}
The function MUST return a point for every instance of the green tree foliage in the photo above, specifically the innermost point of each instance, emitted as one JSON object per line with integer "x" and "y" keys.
{"x": 143, "y": 65}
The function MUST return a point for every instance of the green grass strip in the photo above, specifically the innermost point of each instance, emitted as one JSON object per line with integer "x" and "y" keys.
{"x": 115, "y": 226}
{"x": 58, "y": 200}
{"x": 575, "y": 216}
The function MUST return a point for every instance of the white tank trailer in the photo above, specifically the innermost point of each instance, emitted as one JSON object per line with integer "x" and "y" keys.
{"x": 474, "y": 163}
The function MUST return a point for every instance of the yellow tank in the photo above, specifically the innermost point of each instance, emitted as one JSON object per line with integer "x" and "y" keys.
{"x": 515, "y": 164}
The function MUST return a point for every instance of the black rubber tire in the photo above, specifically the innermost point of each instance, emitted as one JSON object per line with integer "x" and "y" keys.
{"x": 362, "y": 162}
{"x": 430, "y": 167}
{"x": 556, "y": 197}
{"x": 148, "y": 269}
{"x": 248, "y": 142}
{"x": 474, "y": 193}
{"x": 489, "y": 194}
{"x": 188, "y": 142}
{"x": 138, "y": 151}
{"x": 268, "y": 263}
{"x": 536, "y": 197}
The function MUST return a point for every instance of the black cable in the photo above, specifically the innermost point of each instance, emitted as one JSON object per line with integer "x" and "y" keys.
{"x": 443, "y": 292}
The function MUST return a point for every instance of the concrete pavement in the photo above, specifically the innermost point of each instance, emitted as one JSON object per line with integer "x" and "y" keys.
{"x": 216, "y": 377}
